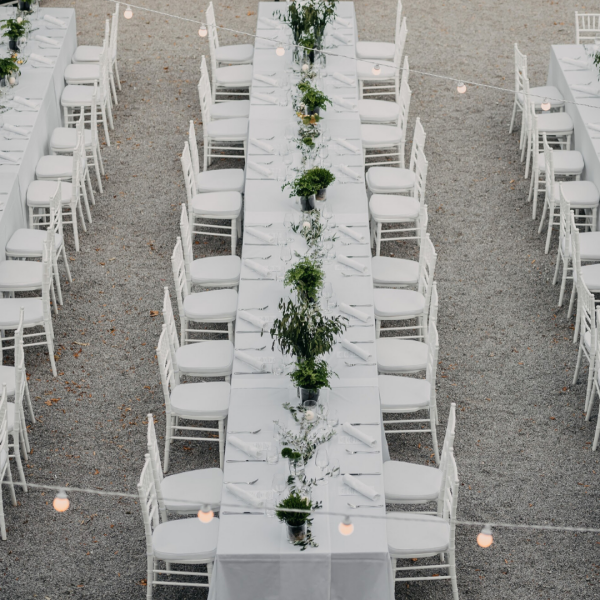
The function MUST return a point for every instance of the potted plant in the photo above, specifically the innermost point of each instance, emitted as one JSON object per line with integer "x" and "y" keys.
{"x": 9, "y": 68}
{"x": 310, "y": 377}
{"x": 295, "y": 462}
{"x": 306, "y": 278}
{"x": 13, "y": 30}
{"x": 305, "y": 188}
{"x": 323, "y": 178}
{"x": 313, "y": 99}
{"x": 297, "y": 522}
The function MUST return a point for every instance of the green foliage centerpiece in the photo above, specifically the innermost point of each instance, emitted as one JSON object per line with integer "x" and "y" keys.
{"x": 308, "y": 185}
{"x": 312, "y": 100}
{"x": 306, "y": 279}
{"x": 295, "y": 512}
{"x": 13, "y": 29}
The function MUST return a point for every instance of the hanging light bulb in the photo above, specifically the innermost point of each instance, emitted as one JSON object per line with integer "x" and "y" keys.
{"x": 546, "y": 104}
{"x": 203, "y": 32}
{"x": 128, "y": 12}
{"x": 61, "y": 502}
{"x": 461, "y": 88}
{"x": 280, "y": 50}
{"x": 205, "y": 514}
{"x": 376, "y": 69}
{"x": 485, "y": 538}
{"x": 346, "y": 527}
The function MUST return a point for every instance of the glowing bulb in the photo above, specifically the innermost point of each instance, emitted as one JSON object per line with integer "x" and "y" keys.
{"x": 19, "y": 19}
{"x": 346, "y": 527}
{"x": 280, "y": 50}
{"x": 202, "y": 32}
{"x": 61, "y": 502}
{"x": 128, "y": 13}
{"x": 376, "y": 70}
{"x": 205, "y": 514}
{"x": 461, "y": 88}
{"x": 546, "y": 104}
{"x": 485, "y": 538}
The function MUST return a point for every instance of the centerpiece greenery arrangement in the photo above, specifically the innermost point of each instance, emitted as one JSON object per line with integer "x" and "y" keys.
{"x": 312, "y": 99}
{"x": 9, "y": 66}
{"x": 296, "y": 514}
{"x": 306, "y": 279}
{"x": 305, "y": 16}
{"x": 309, "y": 184}
{"x": 13, "y": 29}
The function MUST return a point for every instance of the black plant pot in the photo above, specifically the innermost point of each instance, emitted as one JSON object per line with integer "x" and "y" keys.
{"x": 12, "y": 45}
{"x": 321, "y": 195}
{"x": 309, "y": 394}
{"x": 307, "y": 203}
{"x": 314, "y": 111}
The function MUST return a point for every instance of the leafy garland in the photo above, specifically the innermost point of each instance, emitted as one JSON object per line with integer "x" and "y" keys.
{"x": 15, "y": 28}
{"x": 313, "y": 230}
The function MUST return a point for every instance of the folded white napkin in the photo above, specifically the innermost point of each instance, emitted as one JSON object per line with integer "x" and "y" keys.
{"x": 341, "y": 37}
{"x": 359, "y": 237}
{"x": 359, "y": 435}
{"x": 344, "y": 102}
{"x": 17, "y": 130}
{"x": 343, "y": 78}
{"x": 261, "y": 235}
{"x": 25, "y": 102}
{"x": 254, "y": 362}
{"x": 268, "y": 80}
{"x": 263, "y": 145}
{"x": 348, "y": 171}
{"x": 346, "y": 144}
{"x": 41, "y": 59}
{"x": 359, "y": 486}
{"x": 588, "y": 89}
{"x": 266, "y": 98}
{"x": 255, "y": 266}
{"x": 9, "y": 157}
{"x": 54, "y": 21}
{"x": 242, "y": 494}
{"x": 356, "y": 349}
{"x": 255, "y": 320}
{"x": 47, "y": 40}
{"x": 344, "y": 22}
{"x": 354, "y": 312}
{"x": 270, "y": 23}
{"x": 350, "y": 262}
{"x": 575, "y": 62}
{"x": 260, "y": 169}
{"x": 594, "y": 126}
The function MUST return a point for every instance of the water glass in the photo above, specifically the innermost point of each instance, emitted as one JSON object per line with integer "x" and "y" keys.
{"x": 322, "y": 461}
{"x": 285, "y": 254}
{"x": 273, "y": 453}
{"x": 278, "y": 367}
{"x": 327, "y": 290}
{"x": 279, "y": 483}
{"x": 332, "y": 303}
{"x": 289, "y": 220}
{"x": 333, "y": 420}
{"x": 270, "y": 503}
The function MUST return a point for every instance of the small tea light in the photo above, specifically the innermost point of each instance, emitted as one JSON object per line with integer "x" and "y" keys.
{"x": 306, "y": 224}
{"x": 280, "y": 50}
{"x": 305, "y": 68}
{"x": 12, "y": 80}
{"x": 19, "y": 19}
{"x": 310, "y": 415}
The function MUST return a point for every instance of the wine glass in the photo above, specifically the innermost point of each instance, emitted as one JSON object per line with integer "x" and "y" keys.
{"x": 279, "y": 483}
{"x": 328, "y": 245}
{"x": 327, "y": 214}
{"x": 285, "y": 254}
{"x": 327, "y": 291}
{"x": 288, "y": 220}
{"x": 278, "y": 367}
{"x": 322, "y": 461}
{"x": 333, "y": 419}
{"x": 323, "y": 153}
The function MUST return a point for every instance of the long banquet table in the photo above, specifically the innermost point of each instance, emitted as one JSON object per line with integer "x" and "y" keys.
{"x": 564, "y": 75}
{"x": 254, "y": 558}
{"x": 39, "y": 84}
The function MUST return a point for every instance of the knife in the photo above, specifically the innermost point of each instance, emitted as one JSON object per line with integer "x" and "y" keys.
{"x": 246, "y": 460}
{"x": 354, "y": 474}
{"x": 364, "y": 423}
{"x": 243, "y": 513}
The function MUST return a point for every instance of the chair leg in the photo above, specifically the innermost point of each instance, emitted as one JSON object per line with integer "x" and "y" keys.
{"x": 67, "y": 268}
{"x": 432, "y": 422}
{"x": 97, "y": 170}
{"x": 563, "y": 284}
{"x": 57, "y": 280}
{"x": 149, "y": 577}
{"x": 514, "y": 114}
{"x": 109, "y": 113}
{"x": 452, "y": 569}
{"x": 572, "y": 300}
{"x": 596, "y": 436}
{"x": 117, "y": 76}
{"x": 378, "y": 240}
{"x": 550, "y": 228}
{"x": 543, "y": 218}
{"x": 556, "y": 269}
{"x": 234, "y": 229}
{"x": 50, "y": 343}
{"x": 29, "y": 405}
{"x": 578, "y": 363}
{"x": 11, "y": 487}
{"x": 221, "y": 442}
{"x": 99, "y": 155}
{"x": 105, "y": 125}
{"x": 113, "y": 89}
{"x": 17, "y": 457}
{"x": 88, "y": 181}
{"x": 87, "y": 204}
{"x": 588, "y": 391}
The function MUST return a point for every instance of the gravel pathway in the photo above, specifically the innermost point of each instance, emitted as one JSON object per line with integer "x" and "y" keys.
{"x": 506, "y": 359}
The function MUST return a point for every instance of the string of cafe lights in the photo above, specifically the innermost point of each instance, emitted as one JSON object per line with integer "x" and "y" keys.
{"x": 461, "y": 85}
{"x": 61, "y": 504}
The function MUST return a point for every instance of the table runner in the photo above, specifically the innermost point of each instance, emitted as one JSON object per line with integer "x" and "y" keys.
{"x": 45, "y": 85}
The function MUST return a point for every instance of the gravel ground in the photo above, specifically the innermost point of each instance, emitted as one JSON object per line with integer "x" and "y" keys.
{"x": 506, "y": 359}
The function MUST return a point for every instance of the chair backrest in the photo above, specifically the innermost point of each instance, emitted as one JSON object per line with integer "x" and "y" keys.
{"x": 165, "y": 365}
{"x": 400, "y": 42}
{"x": 587, "y": 27}
{"x": 182, "y": 288}
{"x": 450, "y": 496}
{"x": 188, "y": 171}
{"x": 433, "y": 310}
{"x": 423, "y": 221}
{"x": 448, "y": 447}
{"x": 433, "y": 348}
{"x": 204, "y": 93}
{"x": 520, "y": 69}
{"x": 549, "y": 173}
{"x": 186, "y": 242}
{"x": 421, "y": 165}
{"x": 56, "y": 221}
{"x": 169, "y": 320}
{"x": 403, "y": 106}
{"x": 148, "y": 503}
{"x": 20, "y": 374}
{"x": 418, "y": 144}
{"x": 193, "y": 149}
{"x": 398, "y": 20}
{"x": 4, "y": 431}
{"x": 213, "y": 38}
{"x": 405, "y": 71}
{"x": 46, "y": 282}
{"x": 427, "y": 259}
{"x": 526, "y": 107}
{"x": 564, "y": 223}
{"x": 114, "y": 32}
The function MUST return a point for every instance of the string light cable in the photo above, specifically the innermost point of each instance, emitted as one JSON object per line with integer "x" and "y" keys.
{"x": 461, "y": 84}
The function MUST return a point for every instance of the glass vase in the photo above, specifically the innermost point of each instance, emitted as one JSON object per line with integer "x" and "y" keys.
{"x": 296, "y": 533}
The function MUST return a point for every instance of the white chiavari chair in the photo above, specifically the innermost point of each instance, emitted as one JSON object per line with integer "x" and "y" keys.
{"x": 227, "y": 109}
{"x": 381, "y": 50}
{"x": 184, "y": 541}
{"x": 236, "y": 54}
{"x": 211, "y": 358}
{"x": 204, "y": 401}
{"x": 184, "y": 493}
{"x": 589, "y": 274}
{"x": 4, "y": 461}
{"x": 587, "y": 27}
{"x": 211, "y": 271}
{"x": 416, "y": 535}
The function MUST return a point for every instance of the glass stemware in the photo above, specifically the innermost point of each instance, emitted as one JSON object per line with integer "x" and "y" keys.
{"x": 322, "y": 461}
{"x": 286, "y": 254}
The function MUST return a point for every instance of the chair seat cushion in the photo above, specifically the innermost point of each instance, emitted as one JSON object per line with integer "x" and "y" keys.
{"x": 555, "y": 123}
{"x": 29, "y": 243}
{"x": 80, "y": 95}
{"x": 204, "y": 358}
{"x": 579, "y": 194}
{"x": 85, "y": 54}
{"x": 387, "y": 270}
{"x": 589, "y": 245}
{"x": 186, "y": 540}
{"x": 390, "y": 180}
{"x": 207, "y": 400}
{"x": 237, "y": 76}
{"x": 238, "y": 54}
{"x": 403, "y": 393}
{"x": 228, "y": 129}
{"x": 216, "y": 305}
{"x": 82, "y": 73}
{"x": 18, "y": 275}
{"x": 591, "y": 277}
{"x": 566, "y": 162}
{"x": 65, "y": 138}
{"x": 393, "y": 209}
{"x": 10, "y": 312}
{"x": 376, "y": 136}
{"x": 538, "y": 94}
{"x": 223, "y": 180}
{"x": 377, "y": 111}
{"x": 54, "y": 166}
{"x": 7, "y": 376}
{"x": 375, "y": 50}
{"x": 225, "y": 205}
{"x": 365, "y": 71}
{"x": 408, "y": 482}
{"x": 396, "y": 355}
{"x": 188, "y": 491}
{"x": 412, "y": 535}
{"x": 232, "y": 109}
{"x": 403, "y": 304}
{"x": 39, "y": 192}
{"x": 216, "y": 270}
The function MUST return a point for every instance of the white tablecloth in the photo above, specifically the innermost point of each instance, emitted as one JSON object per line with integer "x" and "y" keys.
{"x": 43, "y": 85}
{"x": 254, "y": 559}
{"x": 563, "y": 76}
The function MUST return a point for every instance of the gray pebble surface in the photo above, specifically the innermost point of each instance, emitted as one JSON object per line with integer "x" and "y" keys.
{"x": 506, "y": 357}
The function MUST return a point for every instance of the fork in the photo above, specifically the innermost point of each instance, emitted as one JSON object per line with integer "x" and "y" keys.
{"x": 360, "y": 364}
{"x": 256, "y": 308}
{"x": 364, "y": 505}
{"x": 263, "y": 347}
{"x": 362, "y": 451}
{"x": 355, "y": 275}
{"x": 243, "y": 482}
{"x": 261, "y": 257}
{"x": 266, "y": 139}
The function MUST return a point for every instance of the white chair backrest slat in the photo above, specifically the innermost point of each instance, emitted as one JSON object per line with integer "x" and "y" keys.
{"x": 587, "y": 27}
{"x": 165, "y": 365}
{"x": 148, "y": 503}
